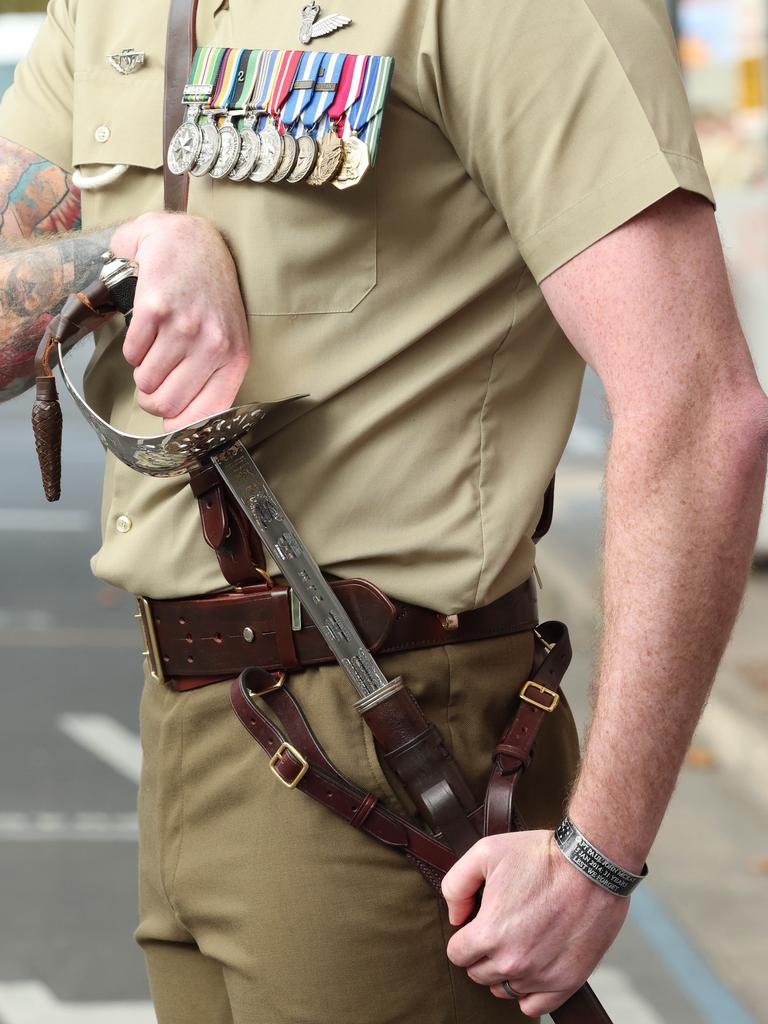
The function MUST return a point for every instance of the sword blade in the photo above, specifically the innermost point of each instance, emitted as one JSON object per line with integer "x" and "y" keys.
{"x": 278, "y": 535}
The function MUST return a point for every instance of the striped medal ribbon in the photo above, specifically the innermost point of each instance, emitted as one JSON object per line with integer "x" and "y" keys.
{"x": 330, "y": 153}
{"x": 232, "y": 73}
{"x": 215, "y": 73}
{"x": 291, "y": 115}
{"x": 249, "y": 140}
{"x": 286, "y": 78}
{"x": 370, "y": 133}
{"x": 187, "y": 142}
{"x": 270, "y": 140}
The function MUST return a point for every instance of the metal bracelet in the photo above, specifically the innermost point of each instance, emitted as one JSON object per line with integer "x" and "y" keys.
{"x": 600, "y": 869}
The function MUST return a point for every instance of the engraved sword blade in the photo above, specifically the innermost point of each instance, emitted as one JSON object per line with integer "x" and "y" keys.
{"x": 279, "y": 537}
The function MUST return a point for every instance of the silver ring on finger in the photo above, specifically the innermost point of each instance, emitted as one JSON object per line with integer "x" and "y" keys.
{"x": 510, "y": 991}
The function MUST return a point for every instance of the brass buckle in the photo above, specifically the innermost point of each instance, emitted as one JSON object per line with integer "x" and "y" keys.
{"x": 269, "y": 689}
{"x": 548, "y": 646}
{"x": 302, "y": 760}
{"x": 542, "y": 689}
{"x": 152, "y": 649}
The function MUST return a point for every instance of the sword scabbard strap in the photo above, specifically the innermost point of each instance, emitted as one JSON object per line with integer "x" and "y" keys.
{"x": 227, "y": 531}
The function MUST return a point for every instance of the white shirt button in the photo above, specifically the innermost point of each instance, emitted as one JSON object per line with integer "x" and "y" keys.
{"x": 123, "y": 524}
{"x": 102, "y": 133}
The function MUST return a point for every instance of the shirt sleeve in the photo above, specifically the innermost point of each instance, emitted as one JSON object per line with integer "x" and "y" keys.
{"x": 36, "y": 111}
{"x": 571, "y": 115}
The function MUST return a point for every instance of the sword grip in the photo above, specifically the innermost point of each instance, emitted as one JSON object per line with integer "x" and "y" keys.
{"x": 122, "y": 294}
{"x": 582, "y": 1008}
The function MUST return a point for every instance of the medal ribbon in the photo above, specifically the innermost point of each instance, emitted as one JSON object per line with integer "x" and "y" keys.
{"x": 361, "y": 110}
{"x": 205, "y": 69}
{"x": 249, "y": 79}
{"x": 303, "y": 86}
{"x": 267, "y": 64}
{"x": 226, "y": 83}
{"x": 286, "y": 76}
{"x": 371, "y": 131}
{"x": 349, "y": 87}
{"x": 325, "y": 87}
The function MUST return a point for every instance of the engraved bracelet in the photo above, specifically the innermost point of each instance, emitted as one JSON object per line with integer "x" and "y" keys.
{"x": 600, "y": 869}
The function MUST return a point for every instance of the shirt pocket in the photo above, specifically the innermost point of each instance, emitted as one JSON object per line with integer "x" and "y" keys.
{"x": 299, "y": 249}
{"x": 117, "y": 119}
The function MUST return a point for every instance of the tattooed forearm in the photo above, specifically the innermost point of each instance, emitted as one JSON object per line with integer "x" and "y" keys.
{"x": 40, "y": 264}
{"x": 36, "y": 197}
{"x": 35, "y": 280}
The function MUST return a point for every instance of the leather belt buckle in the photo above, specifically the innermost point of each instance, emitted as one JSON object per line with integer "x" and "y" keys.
{"x": 151, "y": 648}
{"x": 286, "y": 748}
{"x": 552, "y": 694}
{"x": 276, "y": 685}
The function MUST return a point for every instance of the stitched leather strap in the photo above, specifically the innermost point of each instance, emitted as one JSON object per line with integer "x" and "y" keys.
{"x": 179, "y": 50}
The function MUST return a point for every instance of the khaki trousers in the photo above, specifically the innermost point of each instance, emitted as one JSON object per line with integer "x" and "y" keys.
{"x": 259, "y": 906}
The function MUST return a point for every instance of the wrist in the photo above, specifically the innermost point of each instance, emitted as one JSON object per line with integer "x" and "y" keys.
{"x": 593, "y": 864}
{"x": 615, "y": 834}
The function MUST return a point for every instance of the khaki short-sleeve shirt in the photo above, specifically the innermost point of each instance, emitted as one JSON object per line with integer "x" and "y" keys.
{"x": 408, "y": 308}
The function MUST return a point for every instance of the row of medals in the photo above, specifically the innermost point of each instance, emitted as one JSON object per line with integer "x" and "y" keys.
{"x": 266, "y": 155}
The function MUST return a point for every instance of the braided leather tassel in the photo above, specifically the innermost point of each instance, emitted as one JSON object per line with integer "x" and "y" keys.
{"x": 46, "y": 426}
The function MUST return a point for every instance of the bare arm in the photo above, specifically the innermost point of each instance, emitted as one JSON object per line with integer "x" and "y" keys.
{"x": 650, "y": 308}
{"x": 40, "y": 263}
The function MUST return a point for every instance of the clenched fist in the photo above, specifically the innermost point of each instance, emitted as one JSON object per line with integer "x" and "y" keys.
{"x": 188, "y": 339}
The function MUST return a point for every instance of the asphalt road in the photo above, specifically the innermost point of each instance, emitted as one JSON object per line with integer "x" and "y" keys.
{"x": 69, "y": 759}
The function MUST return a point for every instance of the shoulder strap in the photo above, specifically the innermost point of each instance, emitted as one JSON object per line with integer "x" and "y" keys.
{"x": 179, "y": 50}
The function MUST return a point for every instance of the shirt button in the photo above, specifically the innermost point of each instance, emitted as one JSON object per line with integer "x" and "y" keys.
{"x": 123, "y": 524}
{"x": 102, "y": 133}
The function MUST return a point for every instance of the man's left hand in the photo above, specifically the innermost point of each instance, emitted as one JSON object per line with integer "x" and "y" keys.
{"x": 542, "y": 926}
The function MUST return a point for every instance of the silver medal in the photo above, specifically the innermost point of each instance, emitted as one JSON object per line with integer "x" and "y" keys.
{"x": 288, "y": 162}
{"x": 250, "y": 147}
{"x": 305, "y": 161}
{"x": 270, "y": 156}
{"x": 229, "y": 137}
{"x": 209, "y": 150}
{"x": 185, "y": 148}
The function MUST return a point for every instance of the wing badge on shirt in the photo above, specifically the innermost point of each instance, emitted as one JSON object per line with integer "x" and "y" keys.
{"x": 126, "y": 62}
{"x": 311, "y": 28}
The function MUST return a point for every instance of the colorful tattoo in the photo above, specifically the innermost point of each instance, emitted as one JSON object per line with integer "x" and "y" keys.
{"x": 37, "y": 201}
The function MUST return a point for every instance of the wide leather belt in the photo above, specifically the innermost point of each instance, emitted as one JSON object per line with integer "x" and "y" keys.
{"x": 194, "y": 641}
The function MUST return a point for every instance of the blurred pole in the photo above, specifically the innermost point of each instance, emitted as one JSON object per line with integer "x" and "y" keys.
{"x": 751, "y": 29}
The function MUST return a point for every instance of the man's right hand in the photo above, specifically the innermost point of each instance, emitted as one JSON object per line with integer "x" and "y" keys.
{"x": 188, "y": 339}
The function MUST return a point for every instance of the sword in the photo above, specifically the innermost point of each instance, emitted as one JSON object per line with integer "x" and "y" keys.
{"x": 218, "y": 440}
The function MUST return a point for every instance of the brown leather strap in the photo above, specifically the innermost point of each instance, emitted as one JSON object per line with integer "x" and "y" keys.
{"x": 313, "y": 774}
{"x": 204, "y": 639}
{"x": 539, "y": 697}
{"x": 226, "y": 530}
{"x": 179, "y": 50}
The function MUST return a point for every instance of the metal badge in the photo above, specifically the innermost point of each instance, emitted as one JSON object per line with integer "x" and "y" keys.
{"x": 126, "y": 62}
{"x": 288, "y": 162}
{"x": 329, "y": 160}
{"x": 185, "y": 148}
{"x": 311, "y": 28}
{"x": 250, "y": 147}
{"x": 229, "y": 151}
{"x": 270, "y": 156}
{"x": 357, "y": 160}
{"x": 305, "y": 162}
{"x": 210, "y": 149}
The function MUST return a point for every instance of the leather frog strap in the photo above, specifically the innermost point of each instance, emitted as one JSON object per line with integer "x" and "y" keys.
{"x": 179, "y": 50}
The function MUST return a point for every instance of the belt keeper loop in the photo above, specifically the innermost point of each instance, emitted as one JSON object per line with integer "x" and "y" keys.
{"x": 286, "y": 648}
{"x": 364, "y": 810}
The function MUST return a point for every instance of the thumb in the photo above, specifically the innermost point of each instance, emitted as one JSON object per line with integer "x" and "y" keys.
{"x": 462, "y": 882}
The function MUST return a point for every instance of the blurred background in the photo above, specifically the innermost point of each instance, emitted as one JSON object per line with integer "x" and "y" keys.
{"x": 695, "y": 948}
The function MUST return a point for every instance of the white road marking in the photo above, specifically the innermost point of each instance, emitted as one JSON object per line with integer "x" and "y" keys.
{"x": 20, "y": 620}
{"x": 43, "y": 520}
{"x": 54, "y": 827}
{"x": 106, "y": 739}
{"x": 30, "y": 1002}
{"x": 621, "y": 999}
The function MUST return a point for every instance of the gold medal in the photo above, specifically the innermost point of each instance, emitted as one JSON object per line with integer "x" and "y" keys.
{"x": 357, "y": 160}
{"x": 329, "y": 160}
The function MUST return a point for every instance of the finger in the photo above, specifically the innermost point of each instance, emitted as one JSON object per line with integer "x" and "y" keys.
{"x": 461, "y": 883}
{"x": 167, "y": 355}
{"x": 218, "y": 394}
{"x": 139, "y": 337}
{"x": 486, "y": 972}
{"x": 500, "y": 992}
{"x": 536, "y": 1004}
{"x": 471, "y": 943}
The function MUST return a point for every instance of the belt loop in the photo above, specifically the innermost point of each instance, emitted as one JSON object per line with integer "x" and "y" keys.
{"x": 283, "y": 618}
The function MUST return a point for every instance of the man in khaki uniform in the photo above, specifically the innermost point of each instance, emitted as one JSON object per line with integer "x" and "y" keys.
{"x": 526, "y": 155}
